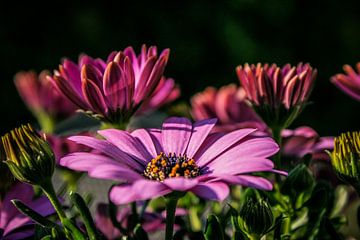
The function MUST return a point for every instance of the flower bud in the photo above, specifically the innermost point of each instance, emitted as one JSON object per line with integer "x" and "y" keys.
{"x": 299, "y": 180}
{"x": 345, "y": 158}
{"x": 257, "y": 216}
{"x": 28, "y": 156}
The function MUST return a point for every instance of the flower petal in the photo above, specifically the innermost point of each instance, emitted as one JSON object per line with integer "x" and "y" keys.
{"x": 180, "y": 183}
{"x": 213, "y": 191}
{"x": 127, "y": 143}
{"x": 221, "y": 145}
{"x": 108, "y": 149}
{"x": 201, "y": 130}
{"x": 176, "y": 134}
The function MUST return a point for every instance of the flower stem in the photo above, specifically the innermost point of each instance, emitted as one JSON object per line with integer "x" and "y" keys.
{"x": 171, "y": 203}
{"x": 48, "y": 189}
{"x": 276, "y": 132}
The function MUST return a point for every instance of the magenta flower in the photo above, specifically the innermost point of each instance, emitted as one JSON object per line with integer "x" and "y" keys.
{"x": 349, "y": 82}
{"x": 179, "y": 157}
{"x": 227, "y": 105}
{"x": 13, "y": 224}
{"x": 115, "y": 89}
{"x": 41, "y": 97}
{"x": 277, "y": 94}
{"x": 151, "y": 222}
{"x": 305, "y": 140}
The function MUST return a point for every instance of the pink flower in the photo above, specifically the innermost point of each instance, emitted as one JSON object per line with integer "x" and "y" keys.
{"x": 13, "y": 224}
{"x": 114, "y": 90}
{"x": 150, "y": 222}
{"x": 40, "y": 96}
{"x": 277, "y": 94}
{"x": 179, "y": 157}
{"x": 228, "y": 105}
{"x": 349, "y": 82}
{"x": 305, "y": 140}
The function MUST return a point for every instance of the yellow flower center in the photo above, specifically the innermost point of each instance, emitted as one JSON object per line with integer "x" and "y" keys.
{"x": 169, "y": 166}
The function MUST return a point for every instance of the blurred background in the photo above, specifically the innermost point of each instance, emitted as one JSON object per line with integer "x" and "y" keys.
{"x": 208, "y": 39}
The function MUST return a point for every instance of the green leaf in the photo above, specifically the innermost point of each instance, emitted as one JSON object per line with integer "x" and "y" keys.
{"x": 213, "y": 229}
{"x": 48, "y": 237}
{"x": 36, "y": 217}
{"x": 80, "y": 204}
{"x": 341, "y": 198}
{"x": 139, "y": 233}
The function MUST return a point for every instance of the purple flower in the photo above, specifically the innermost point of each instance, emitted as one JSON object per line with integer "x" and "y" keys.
{"x": 151, "y": 222}
{"x": 228, "y": 105}
{"x": 277, "y": 94}
{"x": 41, "y": 97}
{"x": 179, "y": 157}
{"x": 349, "y": 82}
{"x": 115, "y": 89}
{"x": 305, "y": 140}
{"x": 13, "y": 224}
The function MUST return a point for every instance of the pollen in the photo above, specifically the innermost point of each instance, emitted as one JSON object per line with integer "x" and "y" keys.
{"x": 169, "y": 166}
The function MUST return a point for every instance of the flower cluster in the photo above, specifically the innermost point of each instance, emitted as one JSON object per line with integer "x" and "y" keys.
{"x": 240, "y": 148}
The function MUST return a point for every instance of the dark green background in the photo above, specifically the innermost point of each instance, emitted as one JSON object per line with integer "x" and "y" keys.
{"x": 208, "y": 39}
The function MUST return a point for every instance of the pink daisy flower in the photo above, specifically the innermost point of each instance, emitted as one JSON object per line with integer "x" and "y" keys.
{"x": 113, "y": 90}
{"x": 349, "y": 82}
{"x": 180, "y": 157}
{"x": 41, "y": 97}
{"x": 228, "y": 105}
{"x": 277, "y": 94}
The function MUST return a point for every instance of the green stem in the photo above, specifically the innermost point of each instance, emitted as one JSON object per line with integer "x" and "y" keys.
{"x": 276, "y": 131}
{"x": 46, "y": 123}
{"x": 48, "y": 189}
{"x": 134, "y": 212}
{"x": 286, "y": 227}
{"x": 171, "y": 203}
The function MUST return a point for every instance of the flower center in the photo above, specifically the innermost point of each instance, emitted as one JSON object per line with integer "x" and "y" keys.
{"x": 168, "y": 166}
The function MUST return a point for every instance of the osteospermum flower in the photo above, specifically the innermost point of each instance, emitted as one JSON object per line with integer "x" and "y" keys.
{"x": 277, "y": 94}
{"x": 13, "y": 224}
{"x": 42, "y": 98}
{"x": 114, "y": 89}
{"x": 179, "y": 157}
{"x": 349, "y": 82}
{"x": 228, "y": 105}
{"x": 305, "y": 140}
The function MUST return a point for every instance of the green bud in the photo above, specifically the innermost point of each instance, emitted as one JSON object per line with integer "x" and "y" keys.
{"x": 257, "y": 216}
{"x": 300, "y": 179}
{"x": 345, "y": 158}
{"x": 28, "y": 155}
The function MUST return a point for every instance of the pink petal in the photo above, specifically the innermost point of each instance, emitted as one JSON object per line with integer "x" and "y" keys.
{"x": 221, "y": 145}
{"x": 248, "y": 181}
{"x": 201, "y": 130}
{"x": 180, "y": 183}
{"x": 213, "y": 191}
{"x": 127, "y": 143}
{"x": 176, "y": 134}
{"x": 108, "y": 149}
